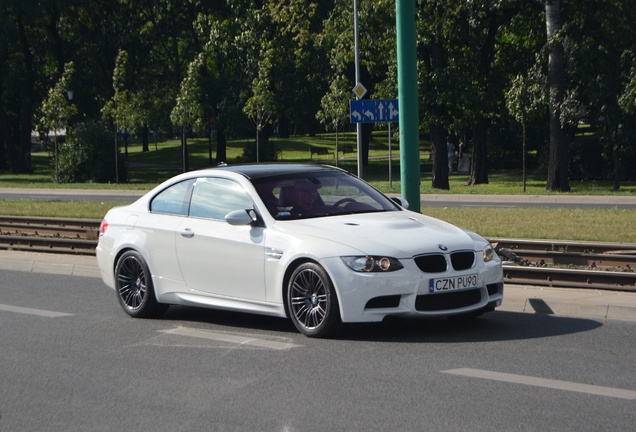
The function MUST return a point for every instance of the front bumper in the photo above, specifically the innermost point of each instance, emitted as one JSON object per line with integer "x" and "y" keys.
{"x": 371, "y": 297}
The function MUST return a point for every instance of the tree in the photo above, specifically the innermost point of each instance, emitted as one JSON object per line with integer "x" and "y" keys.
{"x": 469, "y": 53}
{"x": 526, "y": 100}
{"x": 335, "y": 107}
{"x": 85, "y": 156}
{"x": 558, "y": 163}
{"x": 595, "y": 88}
{"x": 298, "y": 79}
{"x": 441, "y": 78}
{"x": 21, "y": 30}
{"x": 261, "y": 106}
{"x": 56, "y": 110}
{"x": 376, "y": 48}
{"x": 188, "y": 111}
{"x": 627, "y": 99}
{"x": 118, "y": 110}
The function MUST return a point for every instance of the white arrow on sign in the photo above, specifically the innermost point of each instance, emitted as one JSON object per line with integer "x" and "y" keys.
{"x": 369, "y": 114}
{"x": 381, "y": 111}
{"x": 357, "y": 115}
{"x": 392, "y": 111}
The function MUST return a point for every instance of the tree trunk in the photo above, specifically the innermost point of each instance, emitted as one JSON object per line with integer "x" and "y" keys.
{"x": 221, "y": 146}
{"x": 210, "y": 140}
{"x": 11, "y": 138}
{"x": 116, "y": 155}
{"x": 265, "y": 152}
{"x": 145, "y": 138}
{"x": 617, "y": 161}
{"x": 21, "y": 160}
{"x": 52, "y": 27}
{"x": 479, "y": 162}
{"x": 4, "y": 129}
{"x": 439, "y": 157}
{"x": 126, "y": 142}
{"x": 523, "y": 146}
{"x": 26, "y": 125}
{"x": 184, "y": 150}
{"x": 558, "y": 162}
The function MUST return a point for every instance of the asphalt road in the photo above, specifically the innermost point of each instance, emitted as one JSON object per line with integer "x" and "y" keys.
{"x": 71, "y": 360}
{"x": 432, "y": 200}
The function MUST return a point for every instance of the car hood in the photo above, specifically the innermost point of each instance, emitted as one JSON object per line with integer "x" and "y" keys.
{"x": 401, "y": 234}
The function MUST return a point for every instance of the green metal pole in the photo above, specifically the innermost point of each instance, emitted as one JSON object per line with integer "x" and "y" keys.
{"x": 407, "y": 96}
{"x": 357, "y": 69}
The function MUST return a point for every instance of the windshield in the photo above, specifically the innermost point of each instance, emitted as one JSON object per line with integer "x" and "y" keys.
{"x": 316, "y": 194}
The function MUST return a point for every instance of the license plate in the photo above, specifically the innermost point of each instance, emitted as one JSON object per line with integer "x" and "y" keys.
{"x": 450, "y": 284}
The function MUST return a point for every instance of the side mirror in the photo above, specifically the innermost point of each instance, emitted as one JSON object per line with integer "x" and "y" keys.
{"x": 241, "y": 217}
{"x": 402, "y": 202}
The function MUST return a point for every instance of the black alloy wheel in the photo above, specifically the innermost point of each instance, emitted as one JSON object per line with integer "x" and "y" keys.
{"x": 134, "y": 287}
{"x": 312, "y": 301}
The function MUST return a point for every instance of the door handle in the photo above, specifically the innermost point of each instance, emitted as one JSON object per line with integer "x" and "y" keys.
{"x": 187, "y": 233}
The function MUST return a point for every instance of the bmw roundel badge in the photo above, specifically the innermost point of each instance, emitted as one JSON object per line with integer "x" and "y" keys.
{"x": 442, "y": 247}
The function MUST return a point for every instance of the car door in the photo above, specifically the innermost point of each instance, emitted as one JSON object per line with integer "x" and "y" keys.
{"x": 216, "y": 257}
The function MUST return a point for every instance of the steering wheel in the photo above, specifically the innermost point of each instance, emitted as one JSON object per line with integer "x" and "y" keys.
{"x": 342, "y": 201}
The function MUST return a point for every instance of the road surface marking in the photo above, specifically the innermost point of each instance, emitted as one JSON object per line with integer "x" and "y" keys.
{"x": 232, "y": 338}
{"x": 29, "y": 311}
{"x": 543, "y": 382}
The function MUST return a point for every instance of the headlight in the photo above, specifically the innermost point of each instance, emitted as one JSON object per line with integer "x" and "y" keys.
{"x": 489, "y": 253}
{"x": 372, "y": 263}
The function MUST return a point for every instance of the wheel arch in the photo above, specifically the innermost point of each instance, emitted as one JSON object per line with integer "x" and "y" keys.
{"x": 122, "y": 251}
{"x": 293, "y": 265}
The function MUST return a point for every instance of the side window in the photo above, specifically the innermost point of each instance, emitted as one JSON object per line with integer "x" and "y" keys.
{"x": 213, "y": 198}
{"x": 173, "y": 200}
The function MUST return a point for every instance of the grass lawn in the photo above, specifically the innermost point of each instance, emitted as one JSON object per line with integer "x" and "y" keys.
{"x": 164, "y": 160}
{"x": 610, "y": 225}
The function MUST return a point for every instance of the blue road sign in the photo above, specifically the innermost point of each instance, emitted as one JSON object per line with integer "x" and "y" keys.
{"x": 374, "y": 111}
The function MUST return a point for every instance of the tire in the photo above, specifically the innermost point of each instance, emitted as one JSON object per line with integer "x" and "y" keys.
{"x": 312, "y": 301}
{"x": 134, "y": 289}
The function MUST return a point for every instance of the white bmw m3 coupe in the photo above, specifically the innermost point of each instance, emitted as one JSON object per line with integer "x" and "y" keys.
{"x": 309, "y": 242}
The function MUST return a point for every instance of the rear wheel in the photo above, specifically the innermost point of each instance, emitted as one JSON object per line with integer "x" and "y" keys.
{"x": 134, "y": 288}
{"x": 312, "y": 301}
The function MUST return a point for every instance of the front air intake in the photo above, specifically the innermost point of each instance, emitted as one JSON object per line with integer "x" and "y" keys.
{"x": 447, "y": 301}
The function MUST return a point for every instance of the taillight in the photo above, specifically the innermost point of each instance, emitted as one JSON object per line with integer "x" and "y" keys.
{"x": 102, "y": 227}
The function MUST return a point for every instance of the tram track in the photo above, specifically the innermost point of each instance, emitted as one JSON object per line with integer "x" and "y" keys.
{"x": 554, "y": 263}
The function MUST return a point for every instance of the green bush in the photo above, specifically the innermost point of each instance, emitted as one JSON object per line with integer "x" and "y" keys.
{"x": 88, "y": 156}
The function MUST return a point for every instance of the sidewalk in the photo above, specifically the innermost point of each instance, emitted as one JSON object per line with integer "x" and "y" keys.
{"x": 595, "y": 304}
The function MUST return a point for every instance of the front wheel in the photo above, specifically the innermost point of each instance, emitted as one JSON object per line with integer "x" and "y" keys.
{"x": 312, "y": 301}
{"x": 134, "y": 288}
